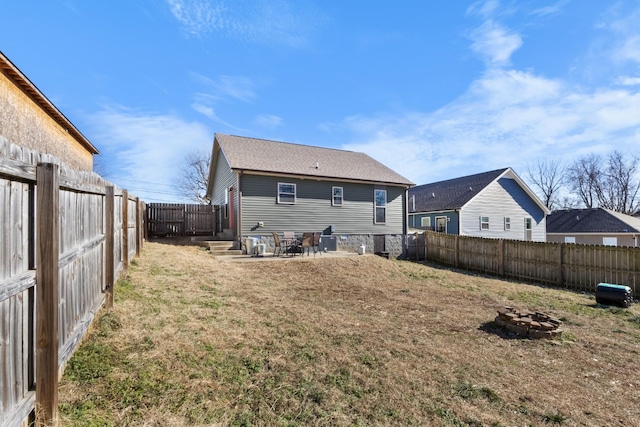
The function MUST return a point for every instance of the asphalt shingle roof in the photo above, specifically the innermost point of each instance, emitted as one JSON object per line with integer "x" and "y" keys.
{"x": 595, "y": 220}
{"x": 260, "y": 155}
{"x": 452, "y": 193}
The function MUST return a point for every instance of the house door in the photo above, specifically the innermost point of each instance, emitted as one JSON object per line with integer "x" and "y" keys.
{"x": 527, "y": 229}
{"x": 441, "y": 224}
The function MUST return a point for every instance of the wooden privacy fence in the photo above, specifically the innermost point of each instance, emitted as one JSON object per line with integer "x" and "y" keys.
{"x": 569, "y": 266}
{"x": 64, "y": 238}
{"x": 175, "y": 219}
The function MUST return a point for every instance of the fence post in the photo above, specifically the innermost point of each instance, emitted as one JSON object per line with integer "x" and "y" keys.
{"x": 47, "y": 280}
{"x": 500, "y": 257}
{"x": 456, "y": 259}
{"x": 109, "y": 268}
{"x": 138, "y": 227}
{"x": 125, "y": 230}
{"x": 560, "y": 269}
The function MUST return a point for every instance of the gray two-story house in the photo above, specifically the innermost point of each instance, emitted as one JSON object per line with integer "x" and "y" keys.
{"x": 494, "y": 204}
{"x": 263, "y": 186}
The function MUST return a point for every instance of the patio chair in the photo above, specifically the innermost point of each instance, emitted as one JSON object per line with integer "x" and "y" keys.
{"x": 290, "y": 242}
{"x": 316, "y": 242}
{"x": 307, "y": 242}
{"x": 277, "y": 250}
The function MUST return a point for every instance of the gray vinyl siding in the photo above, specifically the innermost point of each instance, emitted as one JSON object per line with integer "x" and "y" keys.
{"x": 313, "y": 210}
{"x": 223, "y": 179}
{"x": 500, "y": 199}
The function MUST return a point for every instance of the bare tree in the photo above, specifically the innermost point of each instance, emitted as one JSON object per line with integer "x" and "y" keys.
{"x": 548, "y": 176}
{"x": 610, "y": 182}
{"x": 584, "y": 177}
{"x": 194, "y": 176}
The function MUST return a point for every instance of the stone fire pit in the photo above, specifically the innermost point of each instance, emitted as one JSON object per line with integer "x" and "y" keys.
{"x": 532, "y": 325}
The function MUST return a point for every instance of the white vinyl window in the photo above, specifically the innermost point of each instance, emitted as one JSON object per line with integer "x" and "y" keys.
{"x": 568, "y": 239}
{"x": 507, "y": 223}
{"x": 425, "y": 222}
{"x": 286, "y": 193}
{"x": 610, "y": 241}
{"x": 441, "y": 224}
{"x": 337, "y": 196}
{"x": 484, "y": 223}
{"x": 380, "y": 206}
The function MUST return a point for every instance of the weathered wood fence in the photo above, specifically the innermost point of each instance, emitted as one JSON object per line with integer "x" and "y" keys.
{"x": 569, "y": 266}
{"x": 175, "y": 219}
{"x": 64, "y": 238}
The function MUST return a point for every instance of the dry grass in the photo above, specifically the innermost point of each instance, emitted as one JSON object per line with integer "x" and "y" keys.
{"x": 193, "y": 340}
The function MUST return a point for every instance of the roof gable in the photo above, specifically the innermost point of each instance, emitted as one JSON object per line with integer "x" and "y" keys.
{"x": 595, "y": 220}
{"x": 273, "y": 157}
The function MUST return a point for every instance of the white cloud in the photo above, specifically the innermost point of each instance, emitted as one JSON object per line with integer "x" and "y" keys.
{"x": 147, "y": 150}
{"x": 268, "y": 121}
{"x": 508, "y": 116}
{"x": 256, "y": 21}
{"x": 494, "y": 43}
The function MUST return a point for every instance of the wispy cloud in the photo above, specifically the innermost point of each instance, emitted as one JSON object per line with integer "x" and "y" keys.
{"x": 284, "y": 22}
{"x": 147, "y": 150}
{"x": 268, "y": 121}
{"x": 507, "y": 117}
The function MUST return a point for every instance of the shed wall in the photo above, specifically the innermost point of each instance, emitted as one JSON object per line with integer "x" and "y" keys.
{"x": 26, "y": 124}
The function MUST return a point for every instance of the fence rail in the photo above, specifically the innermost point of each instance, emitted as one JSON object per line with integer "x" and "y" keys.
{"x": 569, "y": 266}
{"x": 64, "y": 237}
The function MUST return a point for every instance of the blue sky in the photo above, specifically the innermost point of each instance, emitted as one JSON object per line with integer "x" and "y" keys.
{"x": 432, "y": 89}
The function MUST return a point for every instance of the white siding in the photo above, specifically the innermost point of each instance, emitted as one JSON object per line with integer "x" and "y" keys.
{"x": 500, "y": 199}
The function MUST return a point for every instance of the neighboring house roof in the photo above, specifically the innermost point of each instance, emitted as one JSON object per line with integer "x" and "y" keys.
{"x": 456, "y": 193}
{"x": 273, "y": 157}
{"x": 21, "y": 81}
{"x": 595, "y": 220}
{"x": 450, "y": 194}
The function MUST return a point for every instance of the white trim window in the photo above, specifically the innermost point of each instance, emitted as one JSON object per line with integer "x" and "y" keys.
{"x": 610, "y": 241}
{"x": 569, "y": 239}
{"x": 380, "y": 206}
{"x": 484, "y": 223}
{"x": 337, "y": 196}
{"x": 425, "y": 222}
{"x": 286, "y": 193}
{"x": 441, "y": 224}
{"x": 507, "y": 223}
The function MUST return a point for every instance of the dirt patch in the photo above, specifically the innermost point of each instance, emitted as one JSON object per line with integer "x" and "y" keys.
{"x": 193, "y": 340}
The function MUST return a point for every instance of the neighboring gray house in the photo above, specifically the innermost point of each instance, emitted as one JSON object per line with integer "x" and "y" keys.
{"x": 495, "y": 204}
{"x": 266, "y": 186}
{"x": 596, "y": 226}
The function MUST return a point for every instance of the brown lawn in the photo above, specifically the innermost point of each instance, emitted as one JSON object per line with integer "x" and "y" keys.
{"x": 361, "y": 340}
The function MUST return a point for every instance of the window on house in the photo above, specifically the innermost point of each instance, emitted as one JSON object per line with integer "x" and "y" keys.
{"x": 507, "y": 223}
{"x": 425, "y": 222}
{"x": 380, "y": 206}
{"x": 441, "y": 224}
{"x": 569, "y": 239}
{"x": 610, "y": 241}
{"x": 484, "y": 223}
{"x": 528, "y": 229}
{"x": 337, "y": 197}
{"x": 286, "y": 193}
